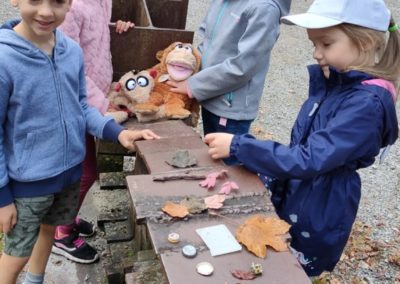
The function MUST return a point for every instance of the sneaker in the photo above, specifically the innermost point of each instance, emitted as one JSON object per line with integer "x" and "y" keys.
{"x": 75, "y": 249}
{"x": 84, "y": 228}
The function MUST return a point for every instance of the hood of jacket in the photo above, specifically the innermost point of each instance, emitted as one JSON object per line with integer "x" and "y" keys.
{"x": 284, "y": 6}
{"x": 355, "y": 79}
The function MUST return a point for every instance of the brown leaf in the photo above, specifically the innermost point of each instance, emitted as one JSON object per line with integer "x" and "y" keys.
{"x": 175, "y": 210}
{"x": 243, "y": 275}
{"x": 259, "y": 231}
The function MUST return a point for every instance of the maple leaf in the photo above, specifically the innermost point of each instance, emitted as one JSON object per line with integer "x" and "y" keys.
{"x": 228, "y": 186}
{"x": 259, "y": 231}
{"x": 175, "y": 210}
{"x": 215, "y": 201}
{"x": 211, "y": 179}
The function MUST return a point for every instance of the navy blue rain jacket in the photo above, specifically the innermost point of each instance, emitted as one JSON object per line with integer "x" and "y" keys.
{"x": 340, "y": 128}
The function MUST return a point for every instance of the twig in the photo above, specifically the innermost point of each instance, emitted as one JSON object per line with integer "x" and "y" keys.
{"x": 230, "y": 220}
{"x": 179, "y": 177}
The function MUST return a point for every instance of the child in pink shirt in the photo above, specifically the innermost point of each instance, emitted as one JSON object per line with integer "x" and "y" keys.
{"x": 88, "y": 23}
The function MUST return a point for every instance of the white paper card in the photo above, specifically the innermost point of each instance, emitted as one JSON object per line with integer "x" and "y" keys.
{"x": 219, "y": 239}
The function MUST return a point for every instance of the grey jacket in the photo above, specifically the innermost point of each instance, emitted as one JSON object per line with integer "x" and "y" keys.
{"x": 238, "y": 36}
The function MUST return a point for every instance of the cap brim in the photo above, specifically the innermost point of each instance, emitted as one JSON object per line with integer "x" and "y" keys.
{"x": 310, "y": 21}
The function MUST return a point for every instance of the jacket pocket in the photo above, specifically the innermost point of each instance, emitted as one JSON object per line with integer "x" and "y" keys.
{"x": 76, "y": 141}
{"x": 43, "y": 154}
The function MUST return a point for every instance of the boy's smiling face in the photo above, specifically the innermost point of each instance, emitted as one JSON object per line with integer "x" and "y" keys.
{"x": 41, "y": 17}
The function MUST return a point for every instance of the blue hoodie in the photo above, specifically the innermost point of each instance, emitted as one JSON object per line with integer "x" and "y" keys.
{"x": 43, "y": 116}
{"x": 340, "y": 128}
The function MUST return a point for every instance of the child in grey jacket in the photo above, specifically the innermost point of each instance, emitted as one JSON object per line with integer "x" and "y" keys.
{"x": 238, "y": 37}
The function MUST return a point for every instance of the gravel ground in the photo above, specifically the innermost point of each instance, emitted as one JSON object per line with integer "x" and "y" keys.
{"x": 373, "y": 254}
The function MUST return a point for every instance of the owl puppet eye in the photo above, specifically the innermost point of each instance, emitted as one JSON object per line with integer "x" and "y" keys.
{"x": 130, "y": 84}
{"x": 142, "y": 81}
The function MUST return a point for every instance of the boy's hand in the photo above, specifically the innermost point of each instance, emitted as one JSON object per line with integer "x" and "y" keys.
{"x": 8, "y": 218}
{"x": 127, "y": 137}
{"x": 178, "y": 87}
{"x": 122, "y": 26}
{"x": 219, "y": 144}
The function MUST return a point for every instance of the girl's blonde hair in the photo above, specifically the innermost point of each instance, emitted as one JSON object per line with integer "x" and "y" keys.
{"x": 387, "y": 65}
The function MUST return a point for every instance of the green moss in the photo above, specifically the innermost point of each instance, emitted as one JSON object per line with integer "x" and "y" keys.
{"x": 1, "y": 244}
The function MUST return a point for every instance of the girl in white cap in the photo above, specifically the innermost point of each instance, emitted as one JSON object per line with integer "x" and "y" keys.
{"x": 349, "y": 116}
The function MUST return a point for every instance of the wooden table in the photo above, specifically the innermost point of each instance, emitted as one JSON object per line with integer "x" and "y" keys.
{"x": 149, "y": 196}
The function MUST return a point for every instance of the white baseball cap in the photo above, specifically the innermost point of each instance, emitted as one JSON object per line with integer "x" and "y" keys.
{"x": 371, "y": 14}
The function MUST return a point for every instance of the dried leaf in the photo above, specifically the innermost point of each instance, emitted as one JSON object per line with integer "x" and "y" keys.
{"x": 211, "y": 179}
{"x": 228, "y": 186}
{"x": 259, "y": 231}
{"x": 194, "y": 204}
{"x": 243, "y": 275}
{"x": 175, "y": 210}
{"x": 182, "y": 159}
{"x": 215, "y": 201}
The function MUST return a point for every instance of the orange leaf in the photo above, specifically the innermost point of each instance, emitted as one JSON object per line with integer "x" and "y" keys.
{"x": 259, "y": 231}
{"x": 175, "y": 210}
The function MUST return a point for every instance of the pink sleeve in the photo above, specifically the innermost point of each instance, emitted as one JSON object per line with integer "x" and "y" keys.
{"x": 95, "y": 97}
{"x": 72, "y": 25}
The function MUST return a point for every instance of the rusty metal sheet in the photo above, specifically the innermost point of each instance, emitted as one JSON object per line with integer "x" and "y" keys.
{"x": 167, "y": 13}
{"x": 278, "y": 267}
{"x": 137, "y": 48}
{"x": 156, "y": 162}
{"x": 131, "y": 10}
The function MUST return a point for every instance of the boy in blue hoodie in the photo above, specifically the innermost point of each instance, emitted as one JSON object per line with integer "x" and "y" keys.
{"x": 237, "y": 40}
{"x": 44, "y": 117}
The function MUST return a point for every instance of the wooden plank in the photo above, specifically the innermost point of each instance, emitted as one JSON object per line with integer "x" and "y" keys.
{"x": 171, "y": 144}
{"x": 148, "y": 196}
{"x": 165, "y": 128}
{"x": 278, "y": 267}
{"x": 156, "y": 162}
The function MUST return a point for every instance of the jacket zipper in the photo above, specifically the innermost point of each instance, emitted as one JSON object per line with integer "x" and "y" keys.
{"x": 60, "y": 105}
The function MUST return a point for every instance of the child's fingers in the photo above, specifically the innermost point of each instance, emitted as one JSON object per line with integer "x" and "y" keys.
{"x": 208, "y": 139}
{"x": 150, "y": 135}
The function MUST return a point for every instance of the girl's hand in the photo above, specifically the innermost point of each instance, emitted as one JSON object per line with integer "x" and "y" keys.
{"x": 128, "y": 137}
{"x": 178, "y": 87}
{"x": 8, "y": 218}
{"x": 122, "y": 26}
{"x": 219, "y": 144}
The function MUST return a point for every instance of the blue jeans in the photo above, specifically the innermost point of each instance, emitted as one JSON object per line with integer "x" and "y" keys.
{"x": 211, "y": 124}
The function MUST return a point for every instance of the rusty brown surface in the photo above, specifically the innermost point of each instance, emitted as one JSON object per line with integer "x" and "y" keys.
{"x": 137, "y": 48}
{"x": 158, "y": 23}
{"x": 167, "y": 13}
{"x": 278, "y": 267}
